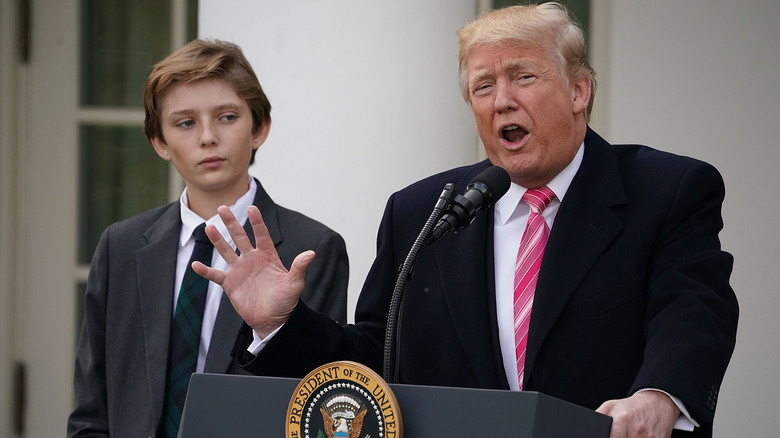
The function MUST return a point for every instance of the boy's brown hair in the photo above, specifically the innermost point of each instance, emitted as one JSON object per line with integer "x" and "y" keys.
{"x": 204, "y": 59}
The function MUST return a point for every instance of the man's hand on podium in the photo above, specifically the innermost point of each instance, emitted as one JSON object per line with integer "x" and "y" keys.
{"x": 646, "y": 414}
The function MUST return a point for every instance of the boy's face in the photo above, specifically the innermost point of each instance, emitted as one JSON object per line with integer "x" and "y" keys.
{"x": 209, "y": 139}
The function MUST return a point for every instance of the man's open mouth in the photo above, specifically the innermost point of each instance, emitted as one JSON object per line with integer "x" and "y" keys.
{"x": 513, "y": 133}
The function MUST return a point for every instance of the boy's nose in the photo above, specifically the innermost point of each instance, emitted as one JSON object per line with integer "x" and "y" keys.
{"x": 208, "y": 136}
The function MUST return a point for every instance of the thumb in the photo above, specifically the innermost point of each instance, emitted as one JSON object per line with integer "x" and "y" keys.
{"x": 300, "y": 265}
{"x": 606, "y": 407}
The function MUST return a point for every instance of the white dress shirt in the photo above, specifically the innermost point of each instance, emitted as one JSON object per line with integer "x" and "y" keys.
{"x": 510, "y": 219}
{"x": 190, "y": 221}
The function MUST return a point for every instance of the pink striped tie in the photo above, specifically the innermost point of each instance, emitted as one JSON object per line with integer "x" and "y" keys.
{"x": 529, "y": 258}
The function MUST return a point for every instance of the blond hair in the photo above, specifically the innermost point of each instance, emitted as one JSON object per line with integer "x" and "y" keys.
{"x": 548, "y": 26}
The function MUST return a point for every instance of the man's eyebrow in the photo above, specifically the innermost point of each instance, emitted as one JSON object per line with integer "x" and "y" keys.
{"x": 519, "y": 64}
{"x": 511, "y": 66}
{"x": 481, "y": 75}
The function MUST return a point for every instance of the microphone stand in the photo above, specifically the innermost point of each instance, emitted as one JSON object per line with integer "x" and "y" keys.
{"x": 389, "y": 367}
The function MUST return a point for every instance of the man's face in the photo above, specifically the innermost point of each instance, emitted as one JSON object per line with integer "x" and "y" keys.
{"x": 530, "y": 118}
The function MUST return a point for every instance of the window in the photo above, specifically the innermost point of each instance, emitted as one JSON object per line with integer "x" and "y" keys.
{"x": 120, "y": 175}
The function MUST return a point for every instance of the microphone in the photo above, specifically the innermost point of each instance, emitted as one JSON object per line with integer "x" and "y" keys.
{"x": 451, "y": 211}
{"x": 485, "y": 189}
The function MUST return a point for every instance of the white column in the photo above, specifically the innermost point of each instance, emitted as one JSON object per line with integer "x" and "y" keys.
{"x": 365, "y": 101}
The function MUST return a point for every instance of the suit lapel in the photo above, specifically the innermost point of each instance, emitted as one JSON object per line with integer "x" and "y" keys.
{"x": 583, "y": 229}
{"x": 223, "y": 337}
{"x": 156, "y": 264}
{"x": 468, "y": 287}
{"x": 269, "y": 210}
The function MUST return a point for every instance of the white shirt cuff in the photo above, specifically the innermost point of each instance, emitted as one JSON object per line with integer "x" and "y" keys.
{"x": 684, "y": 421}
{"x": 259, "y": 343}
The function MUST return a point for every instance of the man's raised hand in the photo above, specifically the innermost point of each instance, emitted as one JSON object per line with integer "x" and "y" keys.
{"x": 262, "y": 290}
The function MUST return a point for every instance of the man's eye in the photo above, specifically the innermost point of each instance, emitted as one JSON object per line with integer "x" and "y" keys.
{"x": 525, "y": 78}
{"x": 482, "y": 89}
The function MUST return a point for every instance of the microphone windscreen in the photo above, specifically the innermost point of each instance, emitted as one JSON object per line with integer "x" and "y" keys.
{"x": 496, "y": 179}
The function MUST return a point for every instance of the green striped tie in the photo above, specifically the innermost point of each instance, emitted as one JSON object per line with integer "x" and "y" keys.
{"x": 185, "y": 335}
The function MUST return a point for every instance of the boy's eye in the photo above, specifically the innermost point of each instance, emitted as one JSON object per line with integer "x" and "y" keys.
{"x": 185, "y": 123}
{"x": 230, "y": 117}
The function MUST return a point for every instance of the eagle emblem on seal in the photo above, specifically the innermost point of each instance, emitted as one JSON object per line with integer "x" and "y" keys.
{"x": 343, "y": 416}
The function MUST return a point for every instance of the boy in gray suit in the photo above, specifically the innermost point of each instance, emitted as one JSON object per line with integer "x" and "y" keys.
{"x": 147, "y": 327}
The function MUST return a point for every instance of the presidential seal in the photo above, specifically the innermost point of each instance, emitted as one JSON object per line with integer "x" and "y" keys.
{"x": 343, "y": 400}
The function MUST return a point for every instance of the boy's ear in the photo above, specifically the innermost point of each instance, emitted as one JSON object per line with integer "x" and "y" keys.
{"x": 161, "y": 148}
{"x": 259, "y": 137}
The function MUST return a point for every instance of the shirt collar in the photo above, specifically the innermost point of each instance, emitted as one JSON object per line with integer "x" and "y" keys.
{"x": 190, "y": 220}
{"x": 507, "y": 206}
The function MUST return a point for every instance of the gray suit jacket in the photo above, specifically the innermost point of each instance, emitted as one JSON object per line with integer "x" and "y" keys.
{"x": 123, "y": 350}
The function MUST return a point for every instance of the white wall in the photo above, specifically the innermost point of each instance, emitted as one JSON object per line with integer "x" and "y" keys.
{"x": 366, "y": 100}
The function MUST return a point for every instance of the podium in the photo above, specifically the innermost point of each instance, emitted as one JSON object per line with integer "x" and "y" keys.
{"x": 220, "y": 405}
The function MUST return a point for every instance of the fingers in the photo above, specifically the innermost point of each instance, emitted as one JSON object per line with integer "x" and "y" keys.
{"x": 618, "y": 429}
{"x": 237, "y": 233}
{"x": 212, "y": 274}
{"x": 606, "y": 407}
{"x": 262, "y": 237}
{"x": 220, "y": 244}
{"x": 645, "y": 414}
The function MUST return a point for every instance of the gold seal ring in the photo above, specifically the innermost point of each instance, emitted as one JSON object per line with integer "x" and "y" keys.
{"x": 343, "y": 400}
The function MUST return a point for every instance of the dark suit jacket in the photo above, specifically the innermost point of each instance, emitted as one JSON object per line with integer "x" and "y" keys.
{"x": 123, "y": 350}
{"x": 633, "y": 291}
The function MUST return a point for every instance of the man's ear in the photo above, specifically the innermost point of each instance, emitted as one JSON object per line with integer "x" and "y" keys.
{"x": 259, "y": 137}
{"x": 161, "y": 148}
{"x": 581, "y": 95}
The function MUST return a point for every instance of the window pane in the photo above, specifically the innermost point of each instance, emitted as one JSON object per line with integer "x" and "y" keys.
{"x": 121, "y": 176}
{"x": 192, "y": 19}
{"x": 120, "y": 42}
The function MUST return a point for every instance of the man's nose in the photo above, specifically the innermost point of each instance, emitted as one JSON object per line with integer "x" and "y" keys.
{"x": 505, "y": 98}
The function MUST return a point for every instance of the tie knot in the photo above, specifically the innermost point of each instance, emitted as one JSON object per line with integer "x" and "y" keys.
{"x": 538, "y": 199}
{"x": 199, "y": 234}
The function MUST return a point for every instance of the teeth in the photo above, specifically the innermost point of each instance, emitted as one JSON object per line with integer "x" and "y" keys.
{"x": 511, "y": 127}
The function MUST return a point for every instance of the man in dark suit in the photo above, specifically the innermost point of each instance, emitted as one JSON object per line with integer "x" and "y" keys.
{"x": 205, "y": 112}
{"x": 632, "y": 314}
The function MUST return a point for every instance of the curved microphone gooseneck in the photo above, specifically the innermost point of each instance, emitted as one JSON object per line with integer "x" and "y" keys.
{"x": 389, "y": 365}
{"x": 451, "y": 211}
